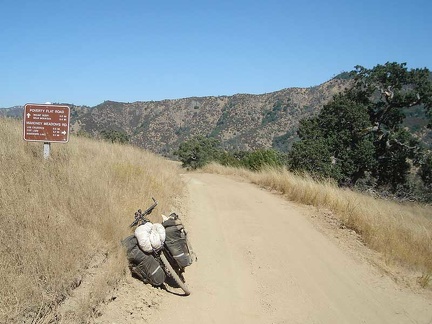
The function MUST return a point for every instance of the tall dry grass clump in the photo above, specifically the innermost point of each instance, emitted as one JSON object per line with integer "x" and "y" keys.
{"x": 57, "y": 215}
{"x": 402, "y": 232}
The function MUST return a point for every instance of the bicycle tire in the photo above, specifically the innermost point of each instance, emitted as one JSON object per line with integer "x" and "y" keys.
{"x": 174, "y": 275}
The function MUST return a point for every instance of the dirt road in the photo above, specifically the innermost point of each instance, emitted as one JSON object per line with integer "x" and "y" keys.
{"x": 260, "y": 260}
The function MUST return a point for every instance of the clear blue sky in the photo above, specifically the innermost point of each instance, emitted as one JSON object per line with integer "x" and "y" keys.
{"x": 85, "y": 52}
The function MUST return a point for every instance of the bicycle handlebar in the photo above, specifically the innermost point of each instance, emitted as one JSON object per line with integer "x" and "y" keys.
{"x": 142, "y": 216}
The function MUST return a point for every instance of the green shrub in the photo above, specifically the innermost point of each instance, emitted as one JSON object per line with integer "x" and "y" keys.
{"x": 198, "y": 151}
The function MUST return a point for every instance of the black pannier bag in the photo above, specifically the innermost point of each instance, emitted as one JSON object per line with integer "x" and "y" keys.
{"x": 144, "y": 265}
{"x": 176, "y": 241}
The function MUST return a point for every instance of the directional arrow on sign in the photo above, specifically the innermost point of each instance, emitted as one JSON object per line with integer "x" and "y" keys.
{"x": 64, "y": 132}
{"x": 28, "y": 115}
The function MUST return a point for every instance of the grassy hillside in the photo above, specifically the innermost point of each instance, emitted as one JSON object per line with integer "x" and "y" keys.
{"x": 400, "y": 232}
{"x": 59, "y": 216}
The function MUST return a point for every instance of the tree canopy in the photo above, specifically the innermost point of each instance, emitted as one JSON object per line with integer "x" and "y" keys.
{"x": 360, "y": 132}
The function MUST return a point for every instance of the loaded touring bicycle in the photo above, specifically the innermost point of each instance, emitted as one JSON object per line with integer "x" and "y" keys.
{"x": 158, "y": 252}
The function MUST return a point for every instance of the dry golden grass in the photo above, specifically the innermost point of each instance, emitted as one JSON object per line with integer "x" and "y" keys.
{"x": 56, "y": 215}
{"x": 402, "y": 232}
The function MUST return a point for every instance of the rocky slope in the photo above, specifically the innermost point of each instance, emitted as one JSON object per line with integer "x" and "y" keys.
{"x": 241, "y": 121}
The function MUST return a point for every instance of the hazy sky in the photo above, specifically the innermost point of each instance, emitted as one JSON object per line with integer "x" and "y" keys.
{"x": 85, "y": 52}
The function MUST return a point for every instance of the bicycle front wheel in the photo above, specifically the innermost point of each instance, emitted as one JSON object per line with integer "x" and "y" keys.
{"x": 174, "y": 274}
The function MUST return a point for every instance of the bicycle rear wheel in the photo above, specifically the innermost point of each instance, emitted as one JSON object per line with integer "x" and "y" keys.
{"x": 174, "y": 274}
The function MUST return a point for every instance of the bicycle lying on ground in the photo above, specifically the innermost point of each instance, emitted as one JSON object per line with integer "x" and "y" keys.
{"x": 167, "y": 261}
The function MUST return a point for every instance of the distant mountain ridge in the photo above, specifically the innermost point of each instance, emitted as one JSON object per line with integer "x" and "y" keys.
{"x": 14, "y": 112}
{"x": 240, "y": 121}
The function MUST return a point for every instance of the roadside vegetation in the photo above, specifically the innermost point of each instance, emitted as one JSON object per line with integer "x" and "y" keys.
{"x": 361, "y": 139}
{"x": 62, "y": 216}
{"x": 200, "y": 151}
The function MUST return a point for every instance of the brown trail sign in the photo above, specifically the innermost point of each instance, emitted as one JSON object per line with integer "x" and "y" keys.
{"x": 46, "y": 123}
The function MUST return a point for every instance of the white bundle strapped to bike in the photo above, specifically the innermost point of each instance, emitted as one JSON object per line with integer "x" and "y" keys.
{"x": 151, "y": 237}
